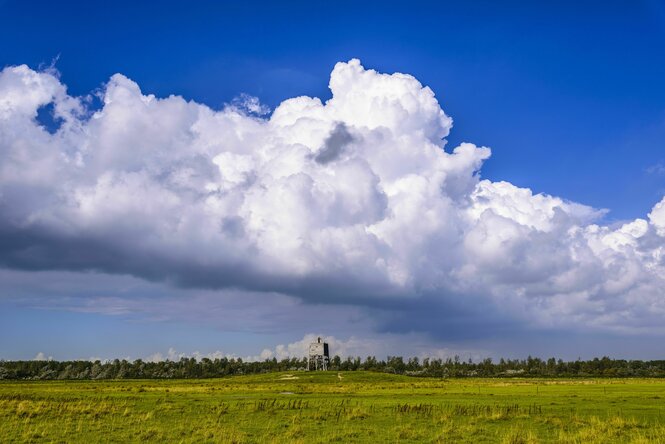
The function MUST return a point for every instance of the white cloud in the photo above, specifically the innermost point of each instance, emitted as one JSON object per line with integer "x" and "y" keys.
{"x": 377, "y": 346}
{"x": 657, "y": 168}
{"x": 657, "y": 217}
{"x": 352, "y": 201}
{"x": 250, "y": 105}
{"x": 42, "y": 357}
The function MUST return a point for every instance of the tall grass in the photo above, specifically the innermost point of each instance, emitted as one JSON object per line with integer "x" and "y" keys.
{"x": 361, "y": 407}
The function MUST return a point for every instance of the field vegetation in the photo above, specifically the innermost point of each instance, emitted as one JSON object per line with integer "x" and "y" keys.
{"x": 335, "y": 406}
{"x": 436, "y": 368}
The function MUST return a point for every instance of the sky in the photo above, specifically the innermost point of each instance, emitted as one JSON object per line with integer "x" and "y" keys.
{"x": 431, "y": 179}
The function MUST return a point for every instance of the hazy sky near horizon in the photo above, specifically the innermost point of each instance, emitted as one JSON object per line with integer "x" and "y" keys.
{"x": 436, "y": 178}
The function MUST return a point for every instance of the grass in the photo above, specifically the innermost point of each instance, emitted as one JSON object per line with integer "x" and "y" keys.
{"x": 331, "y": 407}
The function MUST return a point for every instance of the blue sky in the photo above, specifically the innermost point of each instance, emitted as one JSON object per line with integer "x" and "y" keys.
{"x": 576, "y": 86}
{"x": 569, "y": 97}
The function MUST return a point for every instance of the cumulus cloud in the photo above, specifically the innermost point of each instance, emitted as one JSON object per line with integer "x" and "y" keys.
{"x": 353, "y": 201}
{"x": 247, "y": 104}
{"x": 173, "y": 355}
{"x": 351, "y": 347}
{"x": 657, "y": 217}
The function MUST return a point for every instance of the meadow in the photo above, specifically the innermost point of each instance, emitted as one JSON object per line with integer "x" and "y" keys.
{"x": 341, "y": 407}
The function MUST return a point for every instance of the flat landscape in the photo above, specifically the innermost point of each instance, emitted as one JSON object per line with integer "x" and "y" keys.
{"x": 335, "y": 407}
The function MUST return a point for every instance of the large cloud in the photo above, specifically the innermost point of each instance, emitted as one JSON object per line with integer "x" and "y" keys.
{"x": 355, "y": 200}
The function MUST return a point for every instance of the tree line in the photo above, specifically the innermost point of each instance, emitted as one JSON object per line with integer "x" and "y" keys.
{"x": 214, "y": 368}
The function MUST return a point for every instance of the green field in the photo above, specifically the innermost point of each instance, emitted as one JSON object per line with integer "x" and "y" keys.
{"x": 335, "y": 407}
